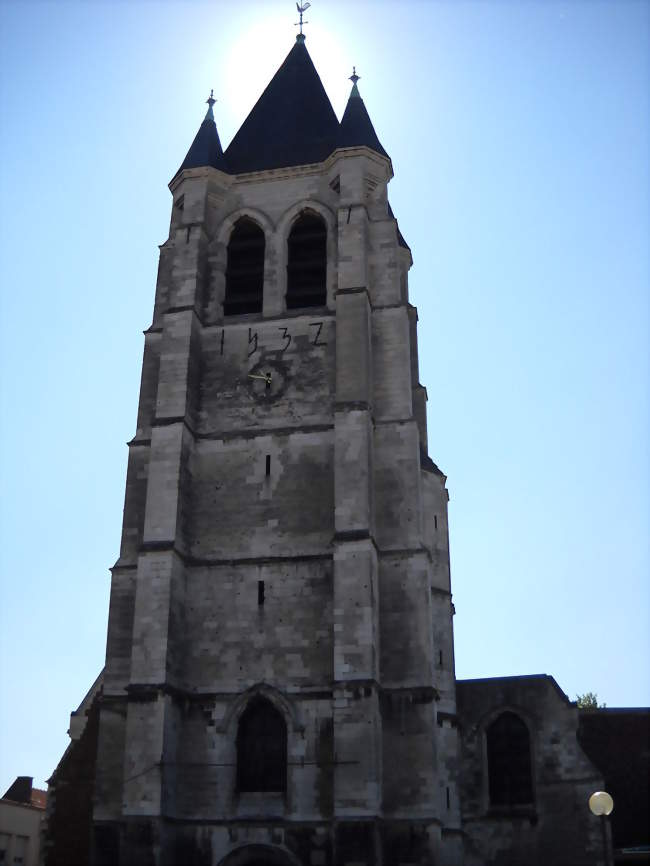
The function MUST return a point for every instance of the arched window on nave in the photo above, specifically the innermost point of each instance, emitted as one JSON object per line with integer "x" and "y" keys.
{"x": 261, "y": 748}
{"x": 510, "y": 779}
{"x": 307, "y": 262}
{"x": 244, "y": 269}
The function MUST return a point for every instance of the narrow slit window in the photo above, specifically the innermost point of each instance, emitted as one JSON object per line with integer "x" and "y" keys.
{"x": 440, "y": 658}
{"x": 435, "y": 521}
{"x": 448, "y": 799}
{"x": 244, "y": 269}
{"x": 307, "y": 262}
{"x": 268, "y": 465}
{"x": 260, "y": 592}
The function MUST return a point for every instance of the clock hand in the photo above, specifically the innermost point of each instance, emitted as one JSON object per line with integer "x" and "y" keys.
{"x": 266, "y": 378}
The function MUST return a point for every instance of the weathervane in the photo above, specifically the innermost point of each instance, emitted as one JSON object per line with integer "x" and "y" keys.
{"x": 354, "y": 77}
{"x": 302, "y": 8}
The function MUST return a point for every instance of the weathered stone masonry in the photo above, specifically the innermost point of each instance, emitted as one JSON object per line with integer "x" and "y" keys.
{"x": 319, "y": 492}
{"x": 284, "y": 564}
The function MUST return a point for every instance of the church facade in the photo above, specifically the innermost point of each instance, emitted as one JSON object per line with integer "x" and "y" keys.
{"x": 279, "y": 684}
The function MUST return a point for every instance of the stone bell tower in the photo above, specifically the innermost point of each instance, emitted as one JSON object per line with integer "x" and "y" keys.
{"x": 279, "y": 684}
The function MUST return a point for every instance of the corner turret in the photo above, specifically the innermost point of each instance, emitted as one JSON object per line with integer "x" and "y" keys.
{"x": 356, "y": 128}
{"x": 206, "y": 148}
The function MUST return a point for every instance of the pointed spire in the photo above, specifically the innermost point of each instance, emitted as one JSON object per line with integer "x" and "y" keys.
{"x": 356, "y": 128}
{"x": 292, "y": 123}
{"x": 206, "y": 148}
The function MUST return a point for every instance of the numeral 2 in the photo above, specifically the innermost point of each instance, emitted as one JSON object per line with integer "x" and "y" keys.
{"x": 319, "y": 328}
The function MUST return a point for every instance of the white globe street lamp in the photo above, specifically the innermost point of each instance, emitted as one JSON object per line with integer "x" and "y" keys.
{"x": 601, "y": 805}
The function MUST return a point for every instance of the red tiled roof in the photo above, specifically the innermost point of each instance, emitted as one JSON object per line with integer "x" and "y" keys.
{"x": 39, "y": 798}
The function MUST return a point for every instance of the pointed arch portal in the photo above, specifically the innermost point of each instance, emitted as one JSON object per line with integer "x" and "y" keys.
{"x": 261, "y": 748}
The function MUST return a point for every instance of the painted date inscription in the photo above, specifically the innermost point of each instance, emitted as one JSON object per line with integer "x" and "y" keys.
{"x": 284, "y": 339}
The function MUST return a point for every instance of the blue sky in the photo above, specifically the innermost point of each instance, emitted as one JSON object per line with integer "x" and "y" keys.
{"x": 519, "y": 138}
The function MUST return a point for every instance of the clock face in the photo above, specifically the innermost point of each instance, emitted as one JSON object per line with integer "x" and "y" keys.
{"x": 267, "y": 381}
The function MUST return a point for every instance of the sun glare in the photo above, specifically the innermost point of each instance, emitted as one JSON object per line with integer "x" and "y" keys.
{"x": 257, "y": 51}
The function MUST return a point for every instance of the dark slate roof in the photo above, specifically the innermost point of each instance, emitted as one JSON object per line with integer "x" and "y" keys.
{"x": 206, "y": 148}
{"x": 356, "y": 127}
{"x": 20, "y": 791}
{"x": 292, "y": 123}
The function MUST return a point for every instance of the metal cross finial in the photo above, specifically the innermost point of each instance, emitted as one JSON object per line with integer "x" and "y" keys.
{"x": 354, "y": 77}
{"x": 302, "y": 8}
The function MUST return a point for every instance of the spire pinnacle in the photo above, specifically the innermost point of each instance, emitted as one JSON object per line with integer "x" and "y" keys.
{"x": 354, "y": 78}
{"x": 209, "y": 115}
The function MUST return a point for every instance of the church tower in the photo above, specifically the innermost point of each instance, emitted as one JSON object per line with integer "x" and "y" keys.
{"x": 279, "y": 684}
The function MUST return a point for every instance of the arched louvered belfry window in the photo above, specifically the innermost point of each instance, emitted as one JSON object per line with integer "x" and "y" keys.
{"x": 509, "y": 761}
{"x": 307, "y": 262}
{"x": 261, "y": 748}
{"x": 244, "y": 269}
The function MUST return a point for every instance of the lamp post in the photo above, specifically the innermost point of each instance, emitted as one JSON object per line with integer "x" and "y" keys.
{"x": 601, "y": 805}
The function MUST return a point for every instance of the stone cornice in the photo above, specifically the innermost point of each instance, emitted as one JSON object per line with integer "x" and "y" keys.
{"x": 419, "y": 693}
{"x": 233, "y": 561}
{"x": 287, "y": 172}
{"x": 197, "y": 173}
{"x": 381, "y": 161}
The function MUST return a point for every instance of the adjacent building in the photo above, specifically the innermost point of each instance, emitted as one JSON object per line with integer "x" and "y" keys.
{"x": 22, "y": 813}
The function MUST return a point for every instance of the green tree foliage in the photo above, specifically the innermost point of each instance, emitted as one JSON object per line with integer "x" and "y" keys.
{"x": 588, "y": 701}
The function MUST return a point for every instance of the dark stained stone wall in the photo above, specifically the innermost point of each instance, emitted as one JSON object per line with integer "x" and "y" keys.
{"x": 618, "y": 742}
{"x": 70, "y": 800}
{"x": 557, "y": 827}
